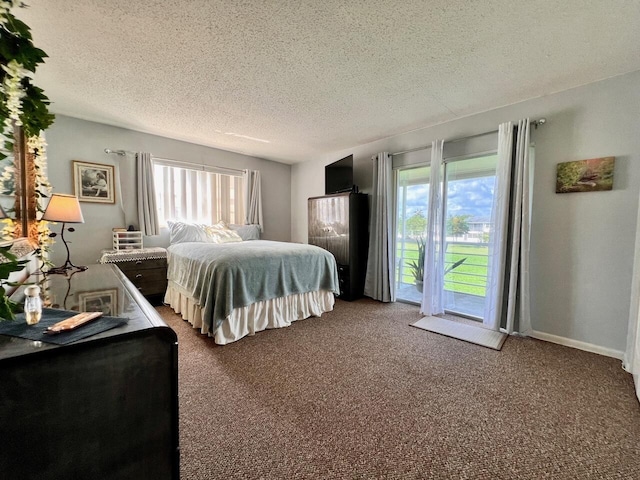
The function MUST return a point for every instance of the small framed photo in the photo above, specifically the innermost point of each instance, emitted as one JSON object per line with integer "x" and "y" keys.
{"x": 105, "y": 301}
{"x": 94, "y": 182}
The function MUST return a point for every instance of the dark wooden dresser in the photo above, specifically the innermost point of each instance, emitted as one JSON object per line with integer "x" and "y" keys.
{"x": 102, "y": 407}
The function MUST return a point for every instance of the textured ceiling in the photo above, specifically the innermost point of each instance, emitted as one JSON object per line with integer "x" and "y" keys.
{"x": 292, "y": 80}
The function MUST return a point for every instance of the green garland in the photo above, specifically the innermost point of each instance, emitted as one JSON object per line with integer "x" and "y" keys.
{"x": 19, "y": 55}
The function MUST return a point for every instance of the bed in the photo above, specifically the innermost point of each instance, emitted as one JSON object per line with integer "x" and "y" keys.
{"x": 232, "y": 288}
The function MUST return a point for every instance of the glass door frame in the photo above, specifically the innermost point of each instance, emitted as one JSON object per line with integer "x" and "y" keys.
{"x": 445, "y": 162}
{"x": 398, "y": 269}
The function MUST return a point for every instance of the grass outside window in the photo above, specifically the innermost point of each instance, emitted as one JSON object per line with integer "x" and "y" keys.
{"x": 469, "y": 278}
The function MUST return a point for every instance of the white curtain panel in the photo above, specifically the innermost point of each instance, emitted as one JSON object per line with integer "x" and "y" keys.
{"x": 379, "y": 283}
{"x": 500, "y": 222}
{"x": 119, "y": 193}
{"x": 631, "y": 361}
{"x": 508, "y": 256}
{"x": 253, "y": 198}
{"x": 432, "y": 302}
{"x": 146, "y": 192}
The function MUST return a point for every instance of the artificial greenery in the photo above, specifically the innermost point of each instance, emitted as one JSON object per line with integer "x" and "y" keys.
{"x": 17, "y": 50}
{"x": 12, "y": 264}
{"x": 22, "y": 105}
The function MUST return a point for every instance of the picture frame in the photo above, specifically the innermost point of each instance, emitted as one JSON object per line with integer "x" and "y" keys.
{"x": 105, "y": 301}
{"x": 592, "y": 175}
{"x": 94, "y": 182}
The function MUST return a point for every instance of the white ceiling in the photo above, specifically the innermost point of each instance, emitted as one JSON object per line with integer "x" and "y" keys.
{"x": 292, "y": 80}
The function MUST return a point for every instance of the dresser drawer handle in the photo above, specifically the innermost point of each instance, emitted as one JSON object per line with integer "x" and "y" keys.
{"x": 138, "y": 262}
{"x": 138, "y": 275}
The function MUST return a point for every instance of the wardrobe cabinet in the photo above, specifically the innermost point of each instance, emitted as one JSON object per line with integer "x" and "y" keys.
{"x": 339, "y": 223}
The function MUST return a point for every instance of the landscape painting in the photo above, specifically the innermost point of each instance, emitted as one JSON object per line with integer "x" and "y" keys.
{"x": 593, "y": 175}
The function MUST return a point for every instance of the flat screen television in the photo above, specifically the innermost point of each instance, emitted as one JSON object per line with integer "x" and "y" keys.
{"x": 338, "y": 176}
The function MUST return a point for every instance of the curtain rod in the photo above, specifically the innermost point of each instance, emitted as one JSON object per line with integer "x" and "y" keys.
{"x": 535, "y": 123}
{"x": 122, "y": 153}
{"x": 199, "y": 165}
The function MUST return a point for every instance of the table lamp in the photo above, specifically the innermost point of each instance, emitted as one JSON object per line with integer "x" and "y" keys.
{"x": 66, "y": 209}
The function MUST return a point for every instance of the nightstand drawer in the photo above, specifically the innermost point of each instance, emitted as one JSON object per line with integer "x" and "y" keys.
{"x": 149, "y": 281}
{"x": 136, "y": 265}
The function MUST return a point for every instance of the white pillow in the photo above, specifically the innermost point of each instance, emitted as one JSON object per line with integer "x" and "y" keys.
{"x": 181, "y": 232}
{"x": 247, "y": 232}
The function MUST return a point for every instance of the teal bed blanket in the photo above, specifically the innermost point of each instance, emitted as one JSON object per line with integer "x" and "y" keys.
{"x": 222, "y": 277}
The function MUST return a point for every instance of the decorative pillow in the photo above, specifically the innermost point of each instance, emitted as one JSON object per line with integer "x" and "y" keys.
{"x": 216, "y": 234}
{"x": 181, "y": 232}
{"x": 247, "y": 232}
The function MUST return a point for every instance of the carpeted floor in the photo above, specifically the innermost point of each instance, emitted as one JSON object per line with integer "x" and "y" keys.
{"x": 359, "y": 393}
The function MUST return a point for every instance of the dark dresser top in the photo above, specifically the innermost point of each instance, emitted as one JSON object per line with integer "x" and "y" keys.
{"x": 103, "y": 285}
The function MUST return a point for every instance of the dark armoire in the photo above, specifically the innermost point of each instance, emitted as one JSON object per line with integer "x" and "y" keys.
{"x": 339, "y": 223}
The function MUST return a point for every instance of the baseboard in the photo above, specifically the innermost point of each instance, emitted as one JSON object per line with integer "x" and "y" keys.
{"x": 568, "y": 342}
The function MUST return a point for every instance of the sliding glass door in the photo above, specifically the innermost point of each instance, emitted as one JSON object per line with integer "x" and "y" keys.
{"x": 468, "y": 190}
{"x": 412, "y": 199}
{"x": 468, "y": 199}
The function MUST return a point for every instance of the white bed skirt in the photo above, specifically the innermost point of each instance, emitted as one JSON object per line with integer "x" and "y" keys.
{"x": 276, "y": 313}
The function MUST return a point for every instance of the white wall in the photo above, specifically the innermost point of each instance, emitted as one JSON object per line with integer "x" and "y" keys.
{"x": 73, "y": 139}
{"x": 582, "y": 243}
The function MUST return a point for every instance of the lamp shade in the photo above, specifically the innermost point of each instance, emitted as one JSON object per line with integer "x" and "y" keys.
{"x": 63, "y": 208}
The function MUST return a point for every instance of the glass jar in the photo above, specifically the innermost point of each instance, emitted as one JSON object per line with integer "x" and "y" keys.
{"x": 32, "y": 305}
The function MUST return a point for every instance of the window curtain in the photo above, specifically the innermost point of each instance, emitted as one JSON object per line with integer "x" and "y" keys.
{"x": 119, "y": 193}
{"x": 432, "y": 302}
{"x": 507, "y": 301}
{"x": 146, "y": 190}
{"x": 379, "y": 283}
{"x": 631, "y": 361}
{"x": 253, "y": 198}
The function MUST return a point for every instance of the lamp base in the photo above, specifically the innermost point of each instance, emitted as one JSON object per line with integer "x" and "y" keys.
{"x": 62, "y": 270}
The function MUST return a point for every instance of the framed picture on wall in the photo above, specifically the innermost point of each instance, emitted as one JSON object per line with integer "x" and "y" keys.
{"x": 105, "y": 301}
{"x": 593, "y": 175}
{"x": 94, "y": 182}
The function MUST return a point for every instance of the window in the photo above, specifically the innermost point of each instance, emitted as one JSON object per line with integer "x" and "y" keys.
{"x": 198, "y": 196}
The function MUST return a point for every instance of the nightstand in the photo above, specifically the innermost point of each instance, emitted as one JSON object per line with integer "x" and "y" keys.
{"x": 145, "y": 267}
